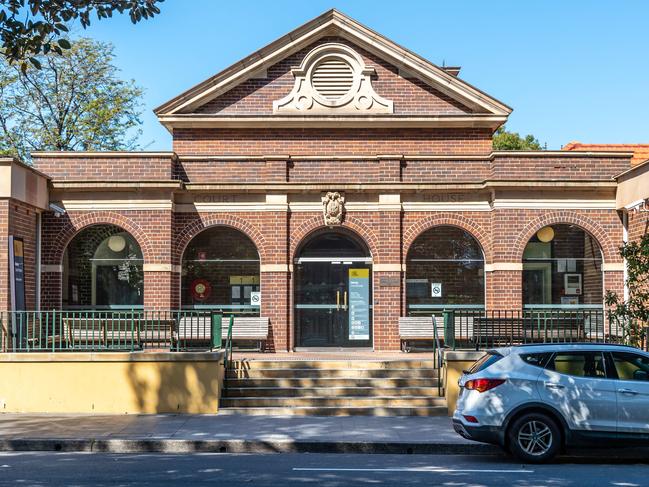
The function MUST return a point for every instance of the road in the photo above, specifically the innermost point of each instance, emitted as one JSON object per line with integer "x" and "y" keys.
{"x": 284, "y": 470}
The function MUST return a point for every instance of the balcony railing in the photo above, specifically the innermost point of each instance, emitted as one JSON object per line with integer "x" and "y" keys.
{"x": 132, "y": 330}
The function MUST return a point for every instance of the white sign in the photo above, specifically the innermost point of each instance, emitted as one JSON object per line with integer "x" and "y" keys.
{"x": 436, "y": 289}
{"x": 255, "y": 298}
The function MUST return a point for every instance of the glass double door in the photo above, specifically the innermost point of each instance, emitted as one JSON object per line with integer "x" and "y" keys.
{"x": 333, "y": 304}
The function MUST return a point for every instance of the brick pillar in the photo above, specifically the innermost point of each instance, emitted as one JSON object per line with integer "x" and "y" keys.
{"x": 160, "y": 273}
{"x": 275, "y": 276}
{"x": 388, "y": 277}
{"x": 159, "y": 286}
{"x": 504, "y": 287}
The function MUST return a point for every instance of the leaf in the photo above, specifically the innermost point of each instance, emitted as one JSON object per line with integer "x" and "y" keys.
{"x": 64, "y": 43}
{"x": 35, "y": 62}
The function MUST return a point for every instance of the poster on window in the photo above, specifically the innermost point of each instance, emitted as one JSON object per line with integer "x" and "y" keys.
{"x": 359, "y": 304}
{"x": 17, "y": 273}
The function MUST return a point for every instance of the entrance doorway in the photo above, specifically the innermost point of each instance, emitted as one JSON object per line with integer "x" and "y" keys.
{"x": 333, "y": 292}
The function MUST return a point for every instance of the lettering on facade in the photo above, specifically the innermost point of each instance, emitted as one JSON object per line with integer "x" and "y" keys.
{"x": 445, "y": 198}
{"x": 216, "y": 198}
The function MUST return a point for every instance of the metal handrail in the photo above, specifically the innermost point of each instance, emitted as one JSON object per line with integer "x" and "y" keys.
{"x": 227, "y": 359}
{"x": 437, "y": 356}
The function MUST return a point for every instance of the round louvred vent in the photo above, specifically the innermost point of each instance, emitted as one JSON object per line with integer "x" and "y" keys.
{"x": 332, "y": 79}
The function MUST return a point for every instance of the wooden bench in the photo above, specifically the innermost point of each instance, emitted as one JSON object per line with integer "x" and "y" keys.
{"x": 198, "y": 329}
{"x": 106, "y": 333}
{"x": 504, "y": 331}
{"x": 416, "y": 328}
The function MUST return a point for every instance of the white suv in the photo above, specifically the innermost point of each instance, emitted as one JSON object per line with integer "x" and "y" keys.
{"x": 535, "y": 400}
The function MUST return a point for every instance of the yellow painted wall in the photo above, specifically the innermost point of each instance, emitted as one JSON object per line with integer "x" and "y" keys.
{"x": 111, "y": 383}
{"x": 454, "y": 364}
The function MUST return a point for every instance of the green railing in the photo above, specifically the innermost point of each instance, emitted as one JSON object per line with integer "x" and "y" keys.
{"x": 116, "y": 330}
{"x": 479, "y": 329}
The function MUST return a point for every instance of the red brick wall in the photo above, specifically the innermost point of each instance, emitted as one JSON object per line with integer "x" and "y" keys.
{"x": 104, "y": 168}
{"x": 354, "y": 141}
{"x": 559, "y": 168}
{"x": 19, "y": 220}
{"x": 502, "y": 234}
{"x": 638, "y": 225}
{"x": 256, "y": 96}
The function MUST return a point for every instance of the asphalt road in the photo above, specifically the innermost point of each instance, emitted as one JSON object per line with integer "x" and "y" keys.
{"x": 97, "y": 469}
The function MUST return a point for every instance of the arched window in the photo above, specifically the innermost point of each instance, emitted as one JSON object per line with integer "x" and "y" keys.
{"x": 444, "y": 269}
{"x": 102, "y": 269}
{"x": 220, "y": 270}
{"x": 562, "y": 267}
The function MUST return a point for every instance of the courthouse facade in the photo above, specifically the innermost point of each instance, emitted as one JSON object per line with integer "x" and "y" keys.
{"x": 332, "y": 181}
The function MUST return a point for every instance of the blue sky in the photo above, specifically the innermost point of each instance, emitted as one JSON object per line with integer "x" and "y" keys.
{"x": 571, "y": 69}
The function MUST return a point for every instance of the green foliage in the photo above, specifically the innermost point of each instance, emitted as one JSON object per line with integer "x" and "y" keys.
{"x": 75, "y": 102}
{"x": 32, "y": 27}
{"x": 633, "y": 313}
{"x": 504, "y": 140}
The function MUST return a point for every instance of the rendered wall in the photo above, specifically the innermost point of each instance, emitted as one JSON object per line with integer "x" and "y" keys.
{"x": 111, "y": 383}
{"x": 454, "y": 364}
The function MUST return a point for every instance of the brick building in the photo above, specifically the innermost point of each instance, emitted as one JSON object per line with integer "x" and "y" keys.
{"x": 333, "y": 182}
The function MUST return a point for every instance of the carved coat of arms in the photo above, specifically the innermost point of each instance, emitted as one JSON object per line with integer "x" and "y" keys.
{"x": 333, "y": 207}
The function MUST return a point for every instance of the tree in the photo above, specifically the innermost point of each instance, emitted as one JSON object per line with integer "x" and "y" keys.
{"x": 75, "y": 102}
{"x": 504, "y": 140}
{"x": 633, "y": 313}
{"x": 31, "y": 27}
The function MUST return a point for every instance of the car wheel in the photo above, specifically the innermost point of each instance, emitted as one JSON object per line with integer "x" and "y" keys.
{"x": 534, "y": 438}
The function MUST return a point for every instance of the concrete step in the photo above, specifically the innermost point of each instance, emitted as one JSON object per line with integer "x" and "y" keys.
{"x": 283, "y": 373}
{"x": 340, "y": 401}
{"x": 334, "y": 382}
{"x": 336, "y": 411}
{"x": 366, "y": 391}
{"x": 333, "y": 364}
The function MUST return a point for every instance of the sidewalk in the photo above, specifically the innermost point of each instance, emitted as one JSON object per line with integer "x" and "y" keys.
{"x": 235, "y": 434}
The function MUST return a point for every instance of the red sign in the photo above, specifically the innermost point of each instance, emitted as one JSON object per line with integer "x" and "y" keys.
{"x": 201, "y": 289}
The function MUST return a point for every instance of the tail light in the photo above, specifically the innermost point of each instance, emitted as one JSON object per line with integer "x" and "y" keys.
{"x": 482, "y": 385}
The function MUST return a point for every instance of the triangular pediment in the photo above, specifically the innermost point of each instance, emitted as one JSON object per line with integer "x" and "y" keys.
{"x": 333, "y": 67}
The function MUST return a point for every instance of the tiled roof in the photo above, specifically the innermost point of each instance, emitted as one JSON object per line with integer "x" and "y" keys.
{"x": 640, "y": 151}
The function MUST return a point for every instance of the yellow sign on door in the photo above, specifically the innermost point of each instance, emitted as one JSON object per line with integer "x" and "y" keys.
{"x": 359, "y": 273}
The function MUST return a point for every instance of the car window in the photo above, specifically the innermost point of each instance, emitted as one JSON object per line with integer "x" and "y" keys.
{"x": 579, "y": 364}
{"x": 484, "y": 362}
{"x": 631, "y": 366}
{"x": 536, "y": 359}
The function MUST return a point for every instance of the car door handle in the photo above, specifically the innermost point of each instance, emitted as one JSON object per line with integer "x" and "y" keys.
{"x": 552, "y": 385}
{"x": 627, "y": 391}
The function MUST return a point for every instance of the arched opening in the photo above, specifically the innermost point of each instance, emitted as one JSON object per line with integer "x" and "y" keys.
{"x": 562, "y": 268}
{"x": 220, "y": 271}
{"x": 444, "y": 270}
{"x": 333, "y": 289}
{"x": 103, "y": 269}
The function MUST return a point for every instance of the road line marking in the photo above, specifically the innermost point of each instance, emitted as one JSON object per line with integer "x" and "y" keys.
{"x": 408, "y": 469}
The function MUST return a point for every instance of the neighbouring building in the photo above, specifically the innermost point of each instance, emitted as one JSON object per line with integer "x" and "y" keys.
{"x": 332, "y": 181}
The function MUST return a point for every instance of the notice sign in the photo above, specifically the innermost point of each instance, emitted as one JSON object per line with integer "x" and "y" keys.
{"x": 17, "y": 273}
{"x": 359, "y": 304}
{"x": 436, "y": 289}
{"x": 255, "y": 298}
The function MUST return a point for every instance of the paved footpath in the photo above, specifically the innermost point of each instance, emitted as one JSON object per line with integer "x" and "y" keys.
{"x": 240, "y": 434}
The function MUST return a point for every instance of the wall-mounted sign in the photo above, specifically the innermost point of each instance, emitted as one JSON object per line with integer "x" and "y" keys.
{"x": 389, "y": 281}
{"x": 436, "y": 289}
{"x": 201, "y": 289}
{"x": 255, "y": 298}
{"x": 17, "y": 273}
{"x": 359, "y": 304}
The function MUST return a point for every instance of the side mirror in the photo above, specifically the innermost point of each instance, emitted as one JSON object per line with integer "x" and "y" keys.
{"x": 640, "y": 375}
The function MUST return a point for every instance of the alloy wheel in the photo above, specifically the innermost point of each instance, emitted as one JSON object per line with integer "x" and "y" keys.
{"x": 535, "y": 438}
